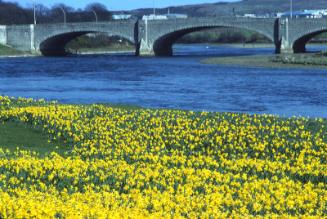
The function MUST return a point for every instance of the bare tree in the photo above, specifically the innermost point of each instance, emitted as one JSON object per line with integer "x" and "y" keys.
{"x": 101, "y": 11}
{"x": 12, "y": 13}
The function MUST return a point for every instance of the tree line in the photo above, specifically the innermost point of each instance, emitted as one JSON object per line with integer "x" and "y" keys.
{"x": 13, "y": 13}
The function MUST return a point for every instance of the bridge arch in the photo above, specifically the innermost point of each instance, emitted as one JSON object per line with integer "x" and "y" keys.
{"x": 299, "y": 45}
{"x": 163, "y": 46}
{"x": 160, "y": 39}
{"x": 50, "y": 40}
{"x": 55, "y": 45}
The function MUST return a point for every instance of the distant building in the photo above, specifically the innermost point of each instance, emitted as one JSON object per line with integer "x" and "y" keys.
{"x": 279, "y": 14}
{"x": 121, "y": 16}
{"x": 304, "y": 14}
{"x": 176, "y": 16}
{"x": 317, "y": 13}
{"x": 257, "y": 15}
{"x": 154, "y": 17}
{"x": 250, "y": 15}
{"x": 165, "y": 16}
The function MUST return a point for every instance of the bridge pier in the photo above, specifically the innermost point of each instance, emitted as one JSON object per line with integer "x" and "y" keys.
{"x": 3, "y": 35}
{"x": 145, "y": 49}
{"x": 286, "y": 47}
{"x": 145, "y": 46}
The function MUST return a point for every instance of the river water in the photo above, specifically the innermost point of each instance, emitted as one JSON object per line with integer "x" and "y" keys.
{"x": 179, "y": 82}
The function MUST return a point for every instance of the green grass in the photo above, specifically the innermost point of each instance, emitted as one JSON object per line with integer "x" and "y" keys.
{"x": 269, "y": 61}
{"x": 113, "y": 48}
{"x": 122, "y": 106}
{"x": 24, "y": 136}
{"x": 5, "y": 51}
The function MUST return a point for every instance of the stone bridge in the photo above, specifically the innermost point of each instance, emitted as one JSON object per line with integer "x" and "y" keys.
{"x": 156, "y": 37}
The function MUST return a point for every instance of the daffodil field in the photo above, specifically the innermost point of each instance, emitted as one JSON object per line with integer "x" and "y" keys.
{"x": 136, "y": 163}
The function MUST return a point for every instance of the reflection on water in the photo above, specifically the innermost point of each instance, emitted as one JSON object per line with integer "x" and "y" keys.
{"x": 179, "y": 82}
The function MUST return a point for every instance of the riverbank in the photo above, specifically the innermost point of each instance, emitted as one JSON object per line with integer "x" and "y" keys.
{"x": 6, "y": 51}
{"x": 21, "y": 55}
{"x": 115, "y": 48}
{"x": 273, "y": 61}
{"x": 259, "y": 45}
{"x": 103, "y": 52}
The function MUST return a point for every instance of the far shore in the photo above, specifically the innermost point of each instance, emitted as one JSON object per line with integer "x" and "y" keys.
{"x": 18, "y": 55}
{"x": 245, "y": 45}
{"x": 257, "y": 45}
{"x": 103, "y": 52}
{"x": 22, "y": 55}
{"x": 8, "y": 52}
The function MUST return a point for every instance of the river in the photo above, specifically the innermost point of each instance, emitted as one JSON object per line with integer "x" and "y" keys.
{"x": 179, "y": 82}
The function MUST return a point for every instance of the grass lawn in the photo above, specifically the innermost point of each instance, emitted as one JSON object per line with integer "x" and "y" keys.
{"x": 13, "y": 135}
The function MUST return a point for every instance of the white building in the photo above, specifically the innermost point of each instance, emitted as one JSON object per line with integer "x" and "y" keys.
{"x": 250, "y": 15}
{"x": 176, "y": 16}
{"x": 317, "y": 13}
{"x": 154, "y": 17}
{"x": 121, "y": 16}
{"x": 304, "y": 14}
{"x": 279, "y": 14}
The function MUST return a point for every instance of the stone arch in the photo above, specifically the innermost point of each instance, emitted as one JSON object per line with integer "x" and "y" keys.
{"x": 299, "y": 45}
{"x": 162, "y": 46}
{"x": 55, "y": 45}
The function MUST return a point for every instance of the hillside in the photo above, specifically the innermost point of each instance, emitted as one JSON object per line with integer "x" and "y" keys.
{"x": 240, "y": 8}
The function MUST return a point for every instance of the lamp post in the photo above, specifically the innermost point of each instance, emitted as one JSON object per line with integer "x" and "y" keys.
{"x": 34, "y": 12}
{"x": 291, "y": 8}
{"x": 154, "y": 8}
{"x": 95, "y": 14}
{"x": 64, "y": 12}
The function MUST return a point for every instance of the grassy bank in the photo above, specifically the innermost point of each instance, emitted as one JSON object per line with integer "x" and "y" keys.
{"x": 315, "y": 59}
{"x": 106, "y": 49}
{"x": 136, "y": 163}
{"x": 307, "y": 60}
{"x": 99, "y": 43}
{"x": 273, "y": 61}
{"x": 7, "y": 51}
